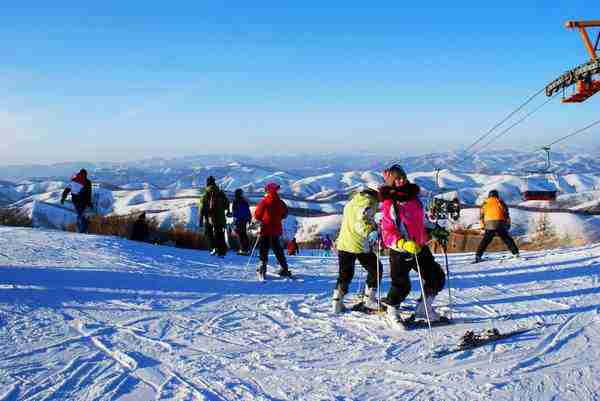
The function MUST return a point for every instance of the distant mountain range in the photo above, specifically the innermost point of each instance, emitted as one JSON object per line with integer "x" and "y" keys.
{"x": 163, "y": 173}
{"x": 315, "y": 190}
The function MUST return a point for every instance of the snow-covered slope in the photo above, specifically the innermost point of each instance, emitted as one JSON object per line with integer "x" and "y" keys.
{"x": 8, "y": 193}
{"x": 100, "y": 318}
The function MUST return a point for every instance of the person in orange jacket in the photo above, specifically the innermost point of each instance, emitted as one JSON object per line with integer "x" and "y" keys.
{"x": 495, "y": 220}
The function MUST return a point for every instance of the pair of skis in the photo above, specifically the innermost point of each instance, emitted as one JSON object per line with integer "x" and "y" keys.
{"x": 408, "y": 319}
{"x": 263, "y": 276}
{"x": 471, "y": 339}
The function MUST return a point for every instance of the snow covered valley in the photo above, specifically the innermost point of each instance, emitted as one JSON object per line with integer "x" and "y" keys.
{"x": 101, "y": 318}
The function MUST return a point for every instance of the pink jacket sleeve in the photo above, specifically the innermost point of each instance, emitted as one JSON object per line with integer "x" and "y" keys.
{"x": 389, "y": 231}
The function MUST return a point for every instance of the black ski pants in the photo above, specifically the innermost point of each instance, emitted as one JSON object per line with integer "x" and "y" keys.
{"x": 271, "y": 242}
{"x": 347, "y": 262}
{"x": 489, "y": 236}
{"x": 216, "y": 238}
{"x": 401, "y": 263}
{"x": 242, "y": 234}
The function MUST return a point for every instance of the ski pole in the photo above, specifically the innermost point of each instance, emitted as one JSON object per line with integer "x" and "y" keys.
{"x": 253, "y": 250}
{"x": 360, "y": 290}
{"x": 448, "y": 282}
{"x": 424, "y": 300}
{"x": 377, "y": 256}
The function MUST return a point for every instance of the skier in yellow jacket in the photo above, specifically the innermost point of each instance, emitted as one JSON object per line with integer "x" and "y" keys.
{"x": 495, "y": 220}
{"x": 356, "y": 240}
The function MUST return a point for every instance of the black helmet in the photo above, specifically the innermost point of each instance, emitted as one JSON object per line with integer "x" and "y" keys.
{"x": 493, "y": 194}
{"x": 210, "y": 181}
{"x": 238, "y": 193}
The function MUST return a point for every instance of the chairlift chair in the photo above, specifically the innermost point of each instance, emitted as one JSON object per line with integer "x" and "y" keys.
{"x": 536, "y": 191}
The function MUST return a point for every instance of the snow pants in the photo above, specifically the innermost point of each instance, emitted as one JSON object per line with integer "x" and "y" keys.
{"x": 401, "y": 263}
{"x": 242, "y": 234}
{"x": 82, "y": 221}
{"x": 489, "y": 235}
{"x": 347, "y": 262}
{"x": 216, "y": 238}
{"x": 271, "y": 241}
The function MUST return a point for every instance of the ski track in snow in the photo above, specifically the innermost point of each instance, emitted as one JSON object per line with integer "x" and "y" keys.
{"x": 99, "y": 318}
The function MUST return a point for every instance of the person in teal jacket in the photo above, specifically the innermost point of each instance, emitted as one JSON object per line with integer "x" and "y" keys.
{"x": 356, "y": 239}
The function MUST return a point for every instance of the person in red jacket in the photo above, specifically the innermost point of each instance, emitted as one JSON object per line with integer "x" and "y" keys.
{"x": 293, "y": 248}
{"x": 270, "y": 211}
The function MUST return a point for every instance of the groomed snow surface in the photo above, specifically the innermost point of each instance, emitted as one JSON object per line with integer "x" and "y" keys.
{"x": 100, "y": 318}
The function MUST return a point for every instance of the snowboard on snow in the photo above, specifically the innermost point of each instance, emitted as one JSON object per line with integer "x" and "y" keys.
{"x": 471, "y": 339}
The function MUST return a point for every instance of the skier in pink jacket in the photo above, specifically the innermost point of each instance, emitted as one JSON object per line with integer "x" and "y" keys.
{"x": 403, "y": 232}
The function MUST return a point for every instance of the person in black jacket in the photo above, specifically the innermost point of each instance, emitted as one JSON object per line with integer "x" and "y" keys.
{"x": 80, "y": 189}
{"x": 140, "y": 229}
{"x": 212, "y": 216}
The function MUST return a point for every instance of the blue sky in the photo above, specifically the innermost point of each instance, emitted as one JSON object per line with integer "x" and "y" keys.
{"x": 128, "y": 80}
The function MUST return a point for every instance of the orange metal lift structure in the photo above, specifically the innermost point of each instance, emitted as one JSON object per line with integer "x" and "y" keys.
{"x": 582, "y": 76}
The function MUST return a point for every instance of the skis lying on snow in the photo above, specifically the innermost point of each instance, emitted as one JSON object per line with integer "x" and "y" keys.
{"x": 407, "y": 320}
{"x": 266, "y": 276}
{"x": 471, "y": 339}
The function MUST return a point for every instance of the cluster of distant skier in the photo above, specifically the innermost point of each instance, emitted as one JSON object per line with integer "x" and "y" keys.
{"x": 402, "y": 230}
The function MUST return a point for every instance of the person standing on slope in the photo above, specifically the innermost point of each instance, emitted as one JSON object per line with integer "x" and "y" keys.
{"x": 270, "y": 212}
{"x": 241, "y": 218}
{"x": 212, "y": 214}
{"x": 140, "y": 231}
{"x": 495, "y": 220}
{"x": 80, "y": 189}
{"x": 356, "y": 240}
{"x": 403, "y": 232}
{"x": 326, "y": 245}
{"x": 293, "y": 248}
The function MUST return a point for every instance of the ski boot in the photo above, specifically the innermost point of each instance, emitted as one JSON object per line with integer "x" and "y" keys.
{"x": 337, "y": 302}
{"x": 285, "y": 272}
{"x": 393, "y": 316}
{"x": 370, "y": 298}
{"x": 425, "y": 309}
{"x": 261, "y": 272}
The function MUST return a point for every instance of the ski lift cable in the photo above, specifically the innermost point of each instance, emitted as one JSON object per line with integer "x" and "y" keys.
{"x": 518, "y": 122}
{"x": 497, "y": 125}
{"x": 572, "y": 134}
{"x": 529, "y": 100}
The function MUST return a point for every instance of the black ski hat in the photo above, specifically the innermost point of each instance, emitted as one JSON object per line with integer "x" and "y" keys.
{"x": 493, "y": 194}
{"x": 396, "y": 170}
{"x": 211, "y": 181}
{"x": 238, "y": 193}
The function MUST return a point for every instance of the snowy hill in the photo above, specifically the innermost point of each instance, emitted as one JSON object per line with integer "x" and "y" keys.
{"x": 8, "y": 193}
{"x": 87, "y": 317}
{"x": 168, "y": 190}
